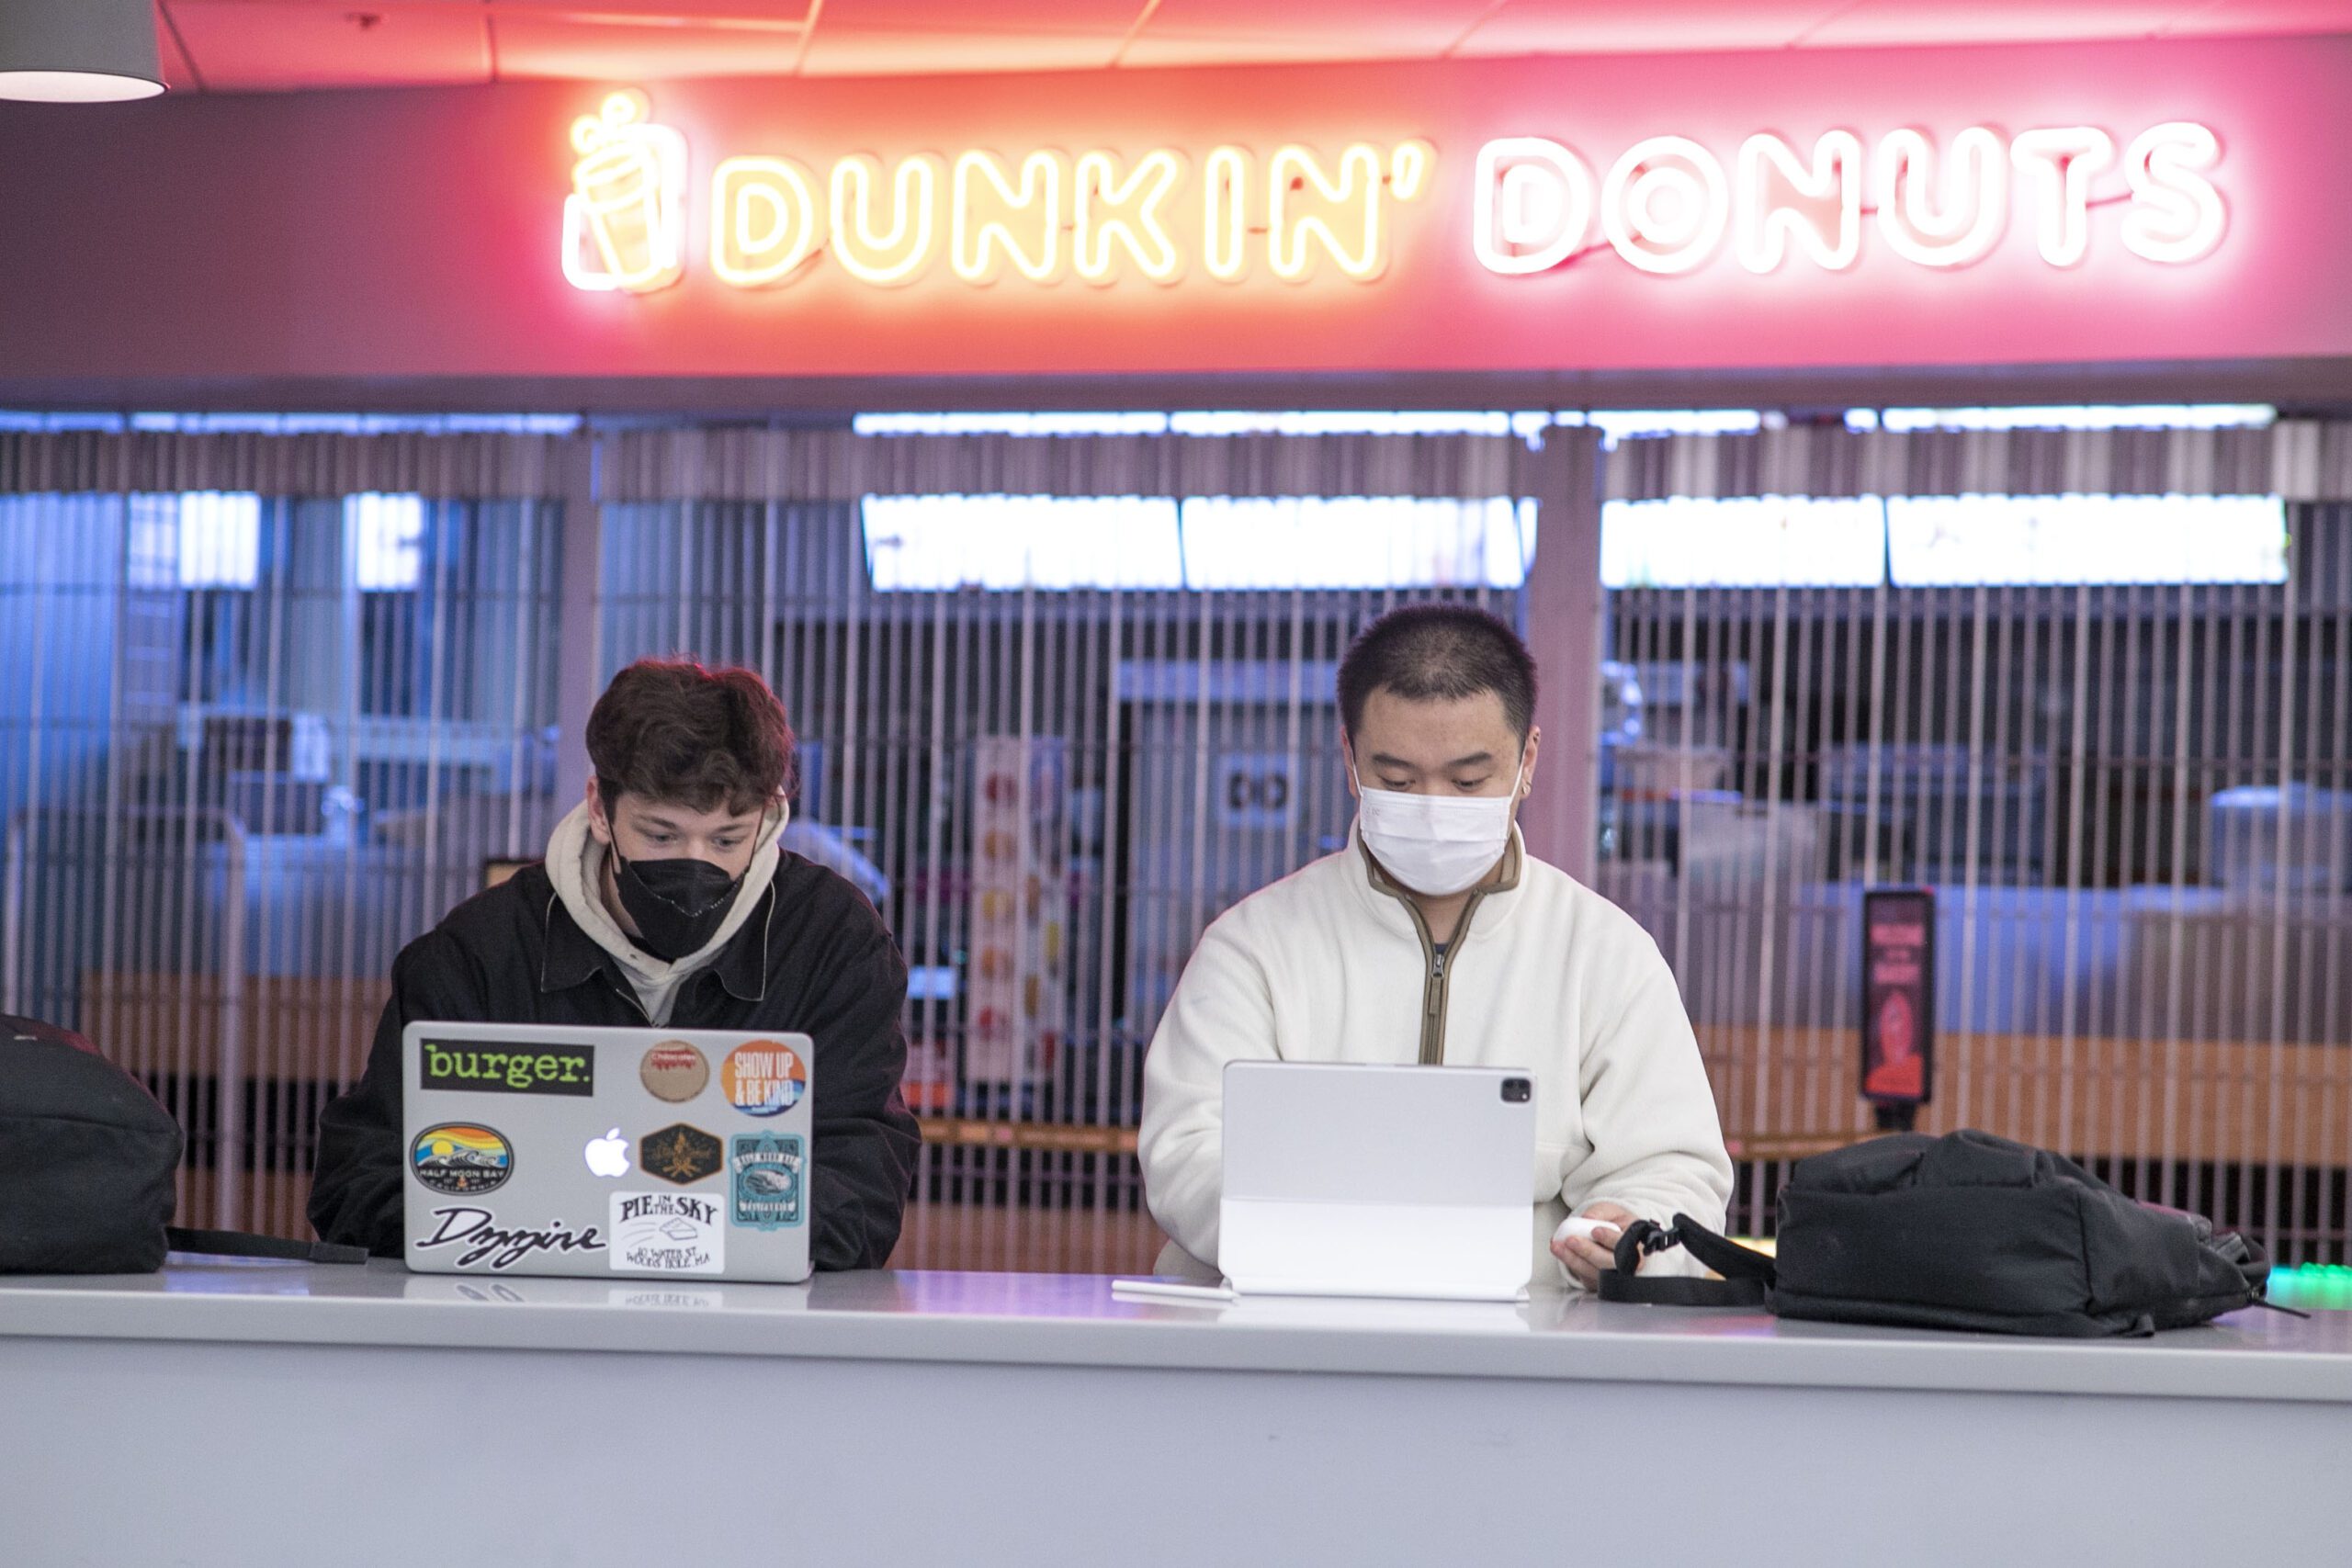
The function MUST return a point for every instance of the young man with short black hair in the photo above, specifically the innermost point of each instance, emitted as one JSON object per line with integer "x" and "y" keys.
{"x": 664, "y": 901}
{"x": 1434, "y": 937}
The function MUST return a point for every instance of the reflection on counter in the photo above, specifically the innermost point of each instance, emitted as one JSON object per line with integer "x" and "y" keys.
{"x": 635, "y": 1295}
{"x": 203, "y": 1274}
{"x": 1540, "y": 1312}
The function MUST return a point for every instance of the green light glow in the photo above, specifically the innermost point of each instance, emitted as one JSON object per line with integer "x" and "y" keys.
{"x": 2321, "y": 1286}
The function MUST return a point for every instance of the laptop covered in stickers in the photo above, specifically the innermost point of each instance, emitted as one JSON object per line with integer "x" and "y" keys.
{"x": 639, "y": 1154}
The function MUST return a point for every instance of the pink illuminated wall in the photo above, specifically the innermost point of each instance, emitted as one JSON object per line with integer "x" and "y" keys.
{"x": 416, "y": 233}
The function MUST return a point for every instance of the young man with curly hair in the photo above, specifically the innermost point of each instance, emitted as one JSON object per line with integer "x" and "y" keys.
{"x": 664, "y": 901}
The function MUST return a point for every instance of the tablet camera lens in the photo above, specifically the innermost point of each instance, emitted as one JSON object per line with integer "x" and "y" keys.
{"x": 1517, "y": 1091}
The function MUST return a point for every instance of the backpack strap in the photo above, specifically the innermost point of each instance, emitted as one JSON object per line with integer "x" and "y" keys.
{"x": 1747, "y": 1275}
{"x": 244, "y": 1244}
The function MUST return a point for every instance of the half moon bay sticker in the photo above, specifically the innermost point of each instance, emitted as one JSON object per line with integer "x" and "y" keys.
{"x": 765, "y": 1077}
{"x": 667, "y": 1233}
{"x": 675, "y": 1071}
{"x": 680, "y": 1154}
{"x": 461, "y": 1159}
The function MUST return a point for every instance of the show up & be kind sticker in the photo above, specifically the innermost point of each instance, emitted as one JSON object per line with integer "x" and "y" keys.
{"x": 766, "y": 1078}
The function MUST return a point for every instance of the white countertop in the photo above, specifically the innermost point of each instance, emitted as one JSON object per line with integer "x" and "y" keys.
{"x": 1073, "y": 1320}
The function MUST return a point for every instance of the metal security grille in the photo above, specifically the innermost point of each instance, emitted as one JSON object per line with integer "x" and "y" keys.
{"x": 2131, "y": 801}
{"x": 1049, "y": 791}
{"x": 253, "y": 739}
{"x": 270, "y": 704}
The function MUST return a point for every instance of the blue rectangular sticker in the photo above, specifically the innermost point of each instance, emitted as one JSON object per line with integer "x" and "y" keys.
{"x": 763, "y": 1181}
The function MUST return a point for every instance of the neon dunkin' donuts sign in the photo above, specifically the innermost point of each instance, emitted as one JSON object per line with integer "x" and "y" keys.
{"x": 1666, "y": 206}
{"x": 624, "y": 223}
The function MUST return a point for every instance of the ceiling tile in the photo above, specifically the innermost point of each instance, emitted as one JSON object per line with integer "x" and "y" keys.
{"x": 243, "y": 45}
{"x": 568, "y": 47}
{"x": 1183, "y": 49}
{"x": 980, "y": 15}
{"x": 887, "y": 52}
{"x": 270, "y": 44}
{"x": 1332, "y": 29}
{"x": 654, "y": 12}
{"x": 878, "y": 37}
{"x": 1604, "y": 26}
{"x": 2009, "y": 21}
{"x": 2242, "y": 16}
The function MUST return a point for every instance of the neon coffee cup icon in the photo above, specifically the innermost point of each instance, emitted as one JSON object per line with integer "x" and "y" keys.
{"x": 622, "y": 223}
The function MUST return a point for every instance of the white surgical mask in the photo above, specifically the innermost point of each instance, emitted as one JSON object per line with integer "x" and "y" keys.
{"x": 1436, "y": 843}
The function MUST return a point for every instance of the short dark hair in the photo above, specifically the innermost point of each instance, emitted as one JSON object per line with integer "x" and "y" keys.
{"x": 671, "y": 729}
{"x": 1439, "y": 653}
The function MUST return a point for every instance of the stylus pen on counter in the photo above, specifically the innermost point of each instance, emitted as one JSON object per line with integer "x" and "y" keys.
{"x": 1170, "y": 1290}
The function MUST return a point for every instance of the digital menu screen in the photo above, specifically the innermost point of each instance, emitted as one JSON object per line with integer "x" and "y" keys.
{"x": 1898, "y": 995}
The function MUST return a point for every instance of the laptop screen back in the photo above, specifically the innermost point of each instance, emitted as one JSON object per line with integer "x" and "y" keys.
{"x": 631, "y": 1152}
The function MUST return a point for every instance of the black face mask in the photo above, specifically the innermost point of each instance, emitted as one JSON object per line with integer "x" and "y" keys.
{"x": 678, "y": 905}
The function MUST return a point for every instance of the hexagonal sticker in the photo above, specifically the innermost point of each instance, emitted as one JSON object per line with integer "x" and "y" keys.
{"x": 680, "y": 1154}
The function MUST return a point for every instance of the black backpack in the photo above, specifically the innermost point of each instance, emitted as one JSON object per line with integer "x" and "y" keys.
{"x": 86, "y": 1159}
{"x": 1965, "y": 1231}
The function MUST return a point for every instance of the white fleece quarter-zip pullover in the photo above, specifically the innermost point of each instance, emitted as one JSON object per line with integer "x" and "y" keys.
{"x": 1332, "y": 964}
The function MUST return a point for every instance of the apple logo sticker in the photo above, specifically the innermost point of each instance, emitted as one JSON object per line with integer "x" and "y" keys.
{"x": 608, "y": 1155}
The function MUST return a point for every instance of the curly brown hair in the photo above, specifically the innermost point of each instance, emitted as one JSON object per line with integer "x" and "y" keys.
{"x": 672, "y": 729}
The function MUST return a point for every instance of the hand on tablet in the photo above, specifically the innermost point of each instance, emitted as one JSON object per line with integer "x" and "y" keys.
{"x": 1586, "y": 1250}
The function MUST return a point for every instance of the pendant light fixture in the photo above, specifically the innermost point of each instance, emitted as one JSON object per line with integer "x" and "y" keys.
{"x": 78, "y": 51}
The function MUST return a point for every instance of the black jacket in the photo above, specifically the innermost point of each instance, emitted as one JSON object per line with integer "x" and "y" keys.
{"x": 816, "y": 960}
